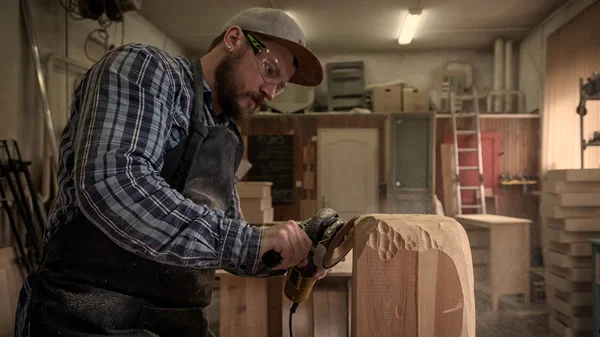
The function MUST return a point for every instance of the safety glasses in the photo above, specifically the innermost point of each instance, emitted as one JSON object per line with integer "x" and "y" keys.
{"x": 268, "y": 64}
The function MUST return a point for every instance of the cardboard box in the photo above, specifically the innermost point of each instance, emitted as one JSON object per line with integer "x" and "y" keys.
{"x": 415, "y": 100}
{"x": 259, "y": 204}
{"x": 258, "y": 217}
{"x": 386, "y": 99}
{"x": 254, "y": 189}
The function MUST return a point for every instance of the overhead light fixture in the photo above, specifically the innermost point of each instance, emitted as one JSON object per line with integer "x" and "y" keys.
{"x": 410, "y": 26}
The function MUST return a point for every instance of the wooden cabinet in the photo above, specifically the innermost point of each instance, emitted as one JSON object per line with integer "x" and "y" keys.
{"x": 501, "y": 250}
{"x": 411, "y": 159}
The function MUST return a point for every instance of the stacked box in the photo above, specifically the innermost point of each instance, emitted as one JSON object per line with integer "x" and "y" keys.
{"x": 256, "y": 201}
{"x": 570, "y": 209}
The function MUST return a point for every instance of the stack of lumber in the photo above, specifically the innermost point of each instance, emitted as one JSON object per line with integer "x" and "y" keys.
{"x": 256, "y": 201}
{"x": 570, "y": 209}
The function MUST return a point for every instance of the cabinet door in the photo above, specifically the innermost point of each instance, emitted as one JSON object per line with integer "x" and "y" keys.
{"x": 411, "y": 203}
{"x": 411, "y": 145}
{"x": 348, "y": 170}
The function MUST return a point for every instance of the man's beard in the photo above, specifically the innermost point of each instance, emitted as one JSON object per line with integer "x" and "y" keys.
{"x": 228, "y": 88}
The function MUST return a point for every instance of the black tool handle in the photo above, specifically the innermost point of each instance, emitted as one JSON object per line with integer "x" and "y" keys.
{"x": 271, "y": 258}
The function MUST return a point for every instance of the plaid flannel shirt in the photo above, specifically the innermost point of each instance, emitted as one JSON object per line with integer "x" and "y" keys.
{"x": 129, "y": 109}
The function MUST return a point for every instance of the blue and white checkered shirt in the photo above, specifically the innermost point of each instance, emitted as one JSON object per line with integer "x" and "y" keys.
{"x": 130, "y": 108}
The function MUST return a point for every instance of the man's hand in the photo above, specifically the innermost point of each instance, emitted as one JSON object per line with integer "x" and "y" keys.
{"x": 320, "y": 273}
{"x": 290, "y": 241}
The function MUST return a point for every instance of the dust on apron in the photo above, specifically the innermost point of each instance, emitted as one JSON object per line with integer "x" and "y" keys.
{"x": 86, "y": 285}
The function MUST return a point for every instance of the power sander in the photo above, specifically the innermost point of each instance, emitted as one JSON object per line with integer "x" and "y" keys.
{"x": 332, "y": 239}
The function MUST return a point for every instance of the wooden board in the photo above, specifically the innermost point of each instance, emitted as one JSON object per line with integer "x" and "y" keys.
{"x": 573, "y": 175}
{"x": 562, "y": 284}
{"x": 571, "y": 309}
{"x": 330, "y": 313}
{"x": 571, "y": 274}
{"x": 558, "y": 186}
{"x": 558, "y": 328}
{"x": 574, "y": 224}
{"x": 566, "y": 261}
{"x": 560, "y": 212}
{"x": 7, "y": 315}
{"x": 243, "y": 306}
{"x": 448, "y": 172}
{"x": 572, "y": 199}
{"x": 575, "y": 323}
{"x": 572, "y": 249}
{"x": 412, "y": 276}
{"x": 15, "y": 275}
{"x": 570, "y": 237}
{"x": 583, "y": 298}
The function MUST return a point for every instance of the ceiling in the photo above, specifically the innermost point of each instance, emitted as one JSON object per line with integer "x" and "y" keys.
{"x": 361, "y": 26}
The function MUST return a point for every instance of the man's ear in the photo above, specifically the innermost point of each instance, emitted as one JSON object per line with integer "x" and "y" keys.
{"x": 233, "y": 38}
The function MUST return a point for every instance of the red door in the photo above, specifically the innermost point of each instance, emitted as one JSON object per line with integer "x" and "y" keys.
{"x": 490, "y": 150}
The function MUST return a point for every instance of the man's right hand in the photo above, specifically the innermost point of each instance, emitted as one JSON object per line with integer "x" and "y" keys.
{"x": 290, "y": 241}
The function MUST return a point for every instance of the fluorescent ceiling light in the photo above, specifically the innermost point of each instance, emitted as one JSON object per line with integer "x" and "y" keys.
{"x": 410, "y": 26}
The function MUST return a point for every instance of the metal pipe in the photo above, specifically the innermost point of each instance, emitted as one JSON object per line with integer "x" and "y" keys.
{"x": 508, "y": 75}
{"x": 26, "y": 12}
{"x": 498, "y": 74}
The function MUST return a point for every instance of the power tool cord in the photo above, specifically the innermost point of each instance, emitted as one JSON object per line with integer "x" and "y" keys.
{"x": 292, "y": 310}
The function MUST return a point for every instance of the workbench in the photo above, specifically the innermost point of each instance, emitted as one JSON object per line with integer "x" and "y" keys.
{"x": 504, "y": 241}
{"x": 257, "y": 307}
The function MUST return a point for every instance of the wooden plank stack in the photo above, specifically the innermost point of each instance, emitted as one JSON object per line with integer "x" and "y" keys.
{"x": 570, "y": 209}
{"x": 256, "y": 201}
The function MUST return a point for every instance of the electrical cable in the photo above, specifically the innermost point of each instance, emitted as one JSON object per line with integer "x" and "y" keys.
{"x": 292, "y": 311}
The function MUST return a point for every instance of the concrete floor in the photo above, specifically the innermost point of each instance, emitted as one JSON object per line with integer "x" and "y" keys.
{"x": 510, "y": 319}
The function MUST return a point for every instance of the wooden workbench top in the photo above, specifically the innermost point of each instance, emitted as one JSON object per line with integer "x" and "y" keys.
{"x": 490, "y": 219}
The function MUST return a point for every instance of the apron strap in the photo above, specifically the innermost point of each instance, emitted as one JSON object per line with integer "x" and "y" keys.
{"x": 197, "y": 120}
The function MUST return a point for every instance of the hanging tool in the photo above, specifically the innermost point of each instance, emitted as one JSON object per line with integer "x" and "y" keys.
{"x": 13, "y": 179}
{"x": 332, "y": 240}
{"x": 476, "y": 131}
{"x": 20, "y": 166}
{"x": 13, "y": 226}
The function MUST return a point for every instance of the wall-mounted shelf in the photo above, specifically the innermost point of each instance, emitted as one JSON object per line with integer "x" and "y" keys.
{"x": 489, "y": 115}
{"x": 518, "y": 182}
{"x": 589, "y": 91}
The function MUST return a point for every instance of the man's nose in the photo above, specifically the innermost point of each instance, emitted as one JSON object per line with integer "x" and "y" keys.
{"x": 268, "y": 90}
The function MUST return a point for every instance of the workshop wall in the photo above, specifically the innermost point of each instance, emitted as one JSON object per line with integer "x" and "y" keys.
{"x": 22, "y": 117}
{"x": 518, "y": 155}
{"x": 533, "y": 69}
{"x": 572, "y": 54}
{"x": 532, "y": 51}
{"x": 303, "y": 128}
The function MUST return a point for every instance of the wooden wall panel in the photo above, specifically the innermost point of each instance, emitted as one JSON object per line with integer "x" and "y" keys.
{"x": 572, "y": 53}
{"x": 304, "y": 127}
{"x": 520, "y": 154}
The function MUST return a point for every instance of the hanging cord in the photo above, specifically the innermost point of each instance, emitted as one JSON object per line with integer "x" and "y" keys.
{"x": 292, "y": 311}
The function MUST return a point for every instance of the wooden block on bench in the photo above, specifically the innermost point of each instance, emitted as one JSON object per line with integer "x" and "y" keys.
{"x": 412, "y": 276}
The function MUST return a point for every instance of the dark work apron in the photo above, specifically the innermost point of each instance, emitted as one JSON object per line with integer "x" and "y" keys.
{"x": 86, "y": 285}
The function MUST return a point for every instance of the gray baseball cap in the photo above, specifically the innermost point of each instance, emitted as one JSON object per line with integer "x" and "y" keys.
{"x": 281, "y": 28}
